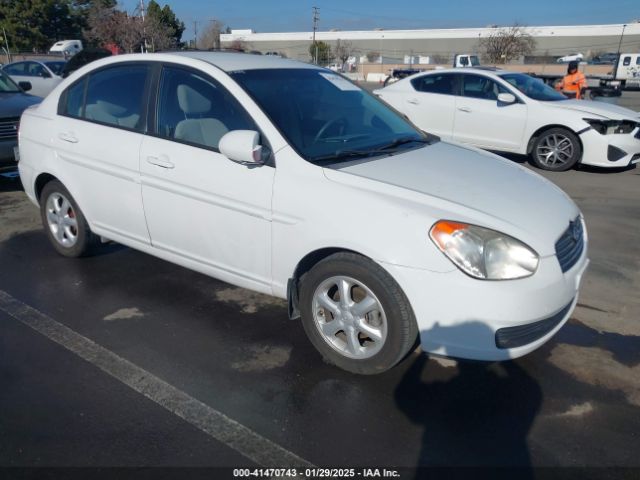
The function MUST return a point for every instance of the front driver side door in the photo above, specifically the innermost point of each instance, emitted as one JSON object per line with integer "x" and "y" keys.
{"x": 202, "y": 209}
{"x": 483, "y": 121}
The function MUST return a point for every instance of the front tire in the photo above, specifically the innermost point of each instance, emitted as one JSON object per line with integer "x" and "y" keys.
{"x": 64, "y": 222}
{"x": 556, "y": 150}
{"x": 356, "y": 315}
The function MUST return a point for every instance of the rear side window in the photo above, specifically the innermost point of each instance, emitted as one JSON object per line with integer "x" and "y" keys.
{"x": 74, "y": 101}
{"x": 15, "y": 69}
{"x": 443, "y": 84}
{"x": 115, "y": 96}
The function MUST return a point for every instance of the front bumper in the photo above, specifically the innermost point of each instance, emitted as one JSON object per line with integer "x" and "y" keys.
{"x": 459, "y": 316}
{"x": 616, "y": 150}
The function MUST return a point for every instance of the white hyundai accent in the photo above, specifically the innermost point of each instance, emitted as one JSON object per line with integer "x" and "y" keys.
{"x": 513, "y": 112}
{"x": 289, "y": 180}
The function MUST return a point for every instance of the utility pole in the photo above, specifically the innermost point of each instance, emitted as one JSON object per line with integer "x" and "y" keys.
{"x": 143, "y": 47}
{"x": 316, "y": 18}
{"x": 195, "y": 34}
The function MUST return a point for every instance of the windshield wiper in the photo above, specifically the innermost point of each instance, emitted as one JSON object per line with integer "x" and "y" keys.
{"x": 349, "y": 154}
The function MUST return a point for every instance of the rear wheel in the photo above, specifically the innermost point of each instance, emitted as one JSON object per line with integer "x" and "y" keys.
{"x": 64, "y": 222}
{"x": 556, "y": 149}
{"x": 356, "y": 315}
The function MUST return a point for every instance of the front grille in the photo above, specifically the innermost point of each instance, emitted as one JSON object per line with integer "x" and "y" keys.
{"x": 513, "y": 337}
{"x": 570, "y": 245}
{"x": 9, "y": 128}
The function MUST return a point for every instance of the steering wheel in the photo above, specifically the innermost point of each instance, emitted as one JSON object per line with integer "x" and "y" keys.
{"x": 334, "y": 121}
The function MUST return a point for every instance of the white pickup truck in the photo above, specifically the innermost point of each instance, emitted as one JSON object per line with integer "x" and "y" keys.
{"x": 465, "y": 60}
{"x": 627, "y": 70}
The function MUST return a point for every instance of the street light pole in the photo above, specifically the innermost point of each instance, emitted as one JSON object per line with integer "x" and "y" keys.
{"x": 316, "y": 17}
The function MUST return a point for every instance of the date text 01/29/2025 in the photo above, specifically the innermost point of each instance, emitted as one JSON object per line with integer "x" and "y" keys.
{"x": 315, "y": 473}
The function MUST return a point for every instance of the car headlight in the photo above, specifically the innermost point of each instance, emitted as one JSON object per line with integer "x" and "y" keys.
{"x": 609, "y": 127}
{"x": 483, "y": 253}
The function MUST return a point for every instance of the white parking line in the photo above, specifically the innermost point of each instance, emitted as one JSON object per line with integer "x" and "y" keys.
{"x": 214, "y": 423}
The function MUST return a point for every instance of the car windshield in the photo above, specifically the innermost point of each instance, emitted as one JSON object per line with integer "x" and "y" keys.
{"x": 55, "y": 67}
{"x": 7, "y": 85}
{"x": 533, "y": 87}
{"x": 327, "y": 118}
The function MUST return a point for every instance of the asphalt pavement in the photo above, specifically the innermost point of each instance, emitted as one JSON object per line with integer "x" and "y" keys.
{"x": 124, "y": 360}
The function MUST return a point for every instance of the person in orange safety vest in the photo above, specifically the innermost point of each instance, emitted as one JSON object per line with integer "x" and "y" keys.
{"x": 574, "y": 82}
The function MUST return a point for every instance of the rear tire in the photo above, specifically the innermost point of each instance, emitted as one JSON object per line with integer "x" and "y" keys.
{"x": 64, "y": 222}
{"x": 557, "y": 150}
{"x": 368, "y": 331}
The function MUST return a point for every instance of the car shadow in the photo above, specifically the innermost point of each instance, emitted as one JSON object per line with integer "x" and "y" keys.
{"x": 478, "y": 414}
{"x": 10, "y": 184}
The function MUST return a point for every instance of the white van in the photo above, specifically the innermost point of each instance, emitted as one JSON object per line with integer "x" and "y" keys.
{"x": 67, "y": 47}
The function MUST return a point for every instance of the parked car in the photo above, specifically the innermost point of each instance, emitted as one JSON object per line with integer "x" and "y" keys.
{"x": 43, "y": 76}
{"x": 572, "y": 57}
{"x": 288, "y": 179}
{"x": 605, "y": 59}
{"x": 513, "y": 112}
{"x": 13, "y": 101}
{"x": 81, "y": 59}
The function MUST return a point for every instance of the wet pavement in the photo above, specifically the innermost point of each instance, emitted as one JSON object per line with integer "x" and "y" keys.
{"x": 574, "y": 402}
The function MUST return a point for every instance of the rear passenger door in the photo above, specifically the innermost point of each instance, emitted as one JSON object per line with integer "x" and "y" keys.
{"x": 211, "y": 213}
{"x": 432, "y": 104}
{"x": 97, "y": 137}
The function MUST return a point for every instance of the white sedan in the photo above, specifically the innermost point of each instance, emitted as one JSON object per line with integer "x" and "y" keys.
{"x": 43, "y": 76}
{"x": 288, "y": 179}
{"x": 513, "y": 112}
{"x": 572, "y": 57}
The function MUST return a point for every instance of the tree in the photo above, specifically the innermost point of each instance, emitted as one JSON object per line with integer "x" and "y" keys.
{"x": 37, "y": 24}
{"x": 343, "y": 51}
{"x": 506, "y": 44}
{"x": 238, "y": 46}
{"x": 210, "y": 38}
{"x": 166, "y": 17}
{"x": 373, "y": 56}
{"x": 320, "y": 52}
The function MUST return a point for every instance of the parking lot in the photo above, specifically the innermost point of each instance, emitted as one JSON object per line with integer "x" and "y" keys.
{"x": 125, "y": 360}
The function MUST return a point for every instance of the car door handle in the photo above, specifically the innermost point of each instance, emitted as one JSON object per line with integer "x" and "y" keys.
{"x": 413, "y": 101}
{"x": 161, "y": 161}
{"x": 464, "y": 109}
{"x": 68, "y": 137}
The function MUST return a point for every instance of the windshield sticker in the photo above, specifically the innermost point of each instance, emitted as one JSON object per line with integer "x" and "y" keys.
{"x": 340, "y": 82}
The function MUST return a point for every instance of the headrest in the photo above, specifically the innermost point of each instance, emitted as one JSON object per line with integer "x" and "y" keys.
{"x": 111, "y": 109}
{"x": 191, "y": 101}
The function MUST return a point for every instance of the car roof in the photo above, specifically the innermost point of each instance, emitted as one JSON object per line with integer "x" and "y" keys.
{"x": 489, "y": 71}
{"x": 232, "y": 61}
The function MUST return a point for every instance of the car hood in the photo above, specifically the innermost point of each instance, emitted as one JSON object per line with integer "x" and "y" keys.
{"x": 13, "y": 104}
{"x": 465, "y": 184}
{"x": 600, "y": 109}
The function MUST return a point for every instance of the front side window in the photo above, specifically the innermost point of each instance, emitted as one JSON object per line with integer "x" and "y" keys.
{"x": 34, "y": 69}
{"x": 115, "y": 96}
{"x": 533, "y": 87}
{"x": 325, "y": 117}
{"x": 197, "y": 110}
{"x": 438, "y": 83}
{"x": 626, "y": 61}
{"x": 476, "y": 86}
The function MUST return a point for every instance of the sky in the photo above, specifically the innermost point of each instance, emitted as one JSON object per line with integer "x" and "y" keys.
{"x": 296, "y": 15}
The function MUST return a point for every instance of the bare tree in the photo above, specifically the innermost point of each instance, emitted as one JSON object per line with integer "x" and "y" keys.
{"x": 343, "y": 51}
{"x": 373, "y": 56}
{"x": 210, "y": 38}
{"x": 506, "y": 44}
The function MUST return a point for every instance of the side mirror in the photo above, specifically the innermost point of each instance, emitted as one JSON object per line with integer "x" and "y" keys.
{"x": 507, "y": 98}
{"x": 26, "y": 86}
{"x": 242, "y": 146}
